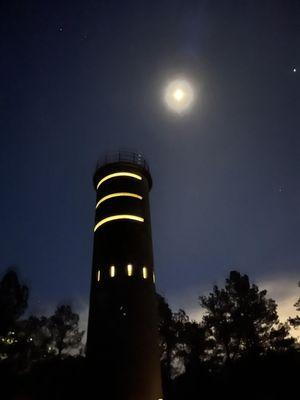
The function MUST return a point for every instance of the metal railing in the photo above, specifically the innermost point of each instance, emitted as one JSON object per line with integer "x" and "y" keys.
{"x": 123, "y": 156}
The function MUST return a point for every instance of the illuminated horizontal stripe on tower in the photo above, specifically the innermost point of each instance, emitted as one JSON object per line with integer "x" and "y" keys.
{"x": 125, "y": 194}
{"x": 117, "y": 174}
{"x": 116, "y": 217}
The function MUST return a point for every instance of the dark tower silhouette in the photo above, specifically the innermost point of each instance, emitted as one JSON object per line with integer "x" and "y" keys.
{"x": 122, "y": 341}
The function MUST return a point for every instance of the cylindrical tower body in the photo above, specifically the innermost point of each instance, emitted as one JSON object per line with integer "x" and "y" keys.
{"x": 122, "y": 342}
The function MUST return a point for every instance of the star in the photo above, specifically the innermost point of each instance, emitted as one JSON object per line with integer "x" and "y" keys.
{"x": 281, "y": 189}
{"x": 294, "y": 69}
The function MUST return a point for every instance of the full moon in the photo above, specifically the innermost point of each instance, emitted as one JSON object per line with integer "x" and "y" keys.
{"x": 179, "y": 95}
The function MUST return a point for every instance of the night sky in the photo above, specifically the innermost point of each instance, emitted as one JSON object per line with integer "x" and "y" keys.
{"x": 82, "y": 78}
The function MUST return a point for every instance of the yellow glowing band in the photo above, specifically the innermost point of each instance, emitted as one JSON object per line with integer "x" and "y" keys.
{"x": 110, "y": 196}
{"x": 115, "y": 217}
{"x": 129, "y": 270}
{"x": 145, "y": 273}
{"x": 112, "y": 271}
{"x": 117, "y": 174}
{"x": 98, "y": 275}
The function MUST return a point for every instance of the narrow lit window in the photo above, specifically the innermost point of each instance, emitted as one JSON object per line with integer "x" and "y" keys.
{"x": 145, "y": 273}
{"x": 112, "y": 271}
{"x": 115, "y": 217}
{"x": 98, "y": 275}
{"x": 153, "y": 277}
{"x": 129, "y": 269}
{"x": 117, "y": 174}
{"x": 120, "y": 194}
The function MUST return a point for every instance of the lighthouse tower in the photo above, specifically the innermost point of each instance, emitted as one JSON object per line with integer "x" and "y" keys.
{"x": 122, "y": 341}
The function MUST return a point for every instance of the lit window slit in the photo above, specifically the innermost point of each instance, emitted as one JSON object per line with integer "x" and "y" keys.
{"x": 145, "y": 273}
{"x": 118, "y": 174}
{"x": 129, "y": 269}
{"x": 98, "y": 275}
{"x": 125, "y": 194}
{"x": 153, "y": 277}
{"x": 116, "y": 217}
{"x": 112, "y": 271}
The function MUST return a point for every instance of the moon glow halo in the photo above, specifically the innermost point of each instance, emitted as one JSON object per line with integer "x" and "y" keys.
{"x": 179, "y": 95}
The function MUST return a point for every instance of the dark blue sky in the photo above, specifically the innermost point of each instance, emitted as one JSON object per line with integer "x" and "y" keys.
{"x": 80, "y": 78}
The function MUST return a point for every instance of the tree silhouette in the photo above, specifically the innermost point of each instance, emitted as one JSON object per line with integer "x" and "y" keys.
{"x": 295, "y": 322}
{"x": 242, "y": 320}
{"x": 36, "y": 339}
{"x": 167, "y": 335}
{"x": 193, "y": 340}
{"x": 64, "y": 329}
{"x": 13, "y": 301}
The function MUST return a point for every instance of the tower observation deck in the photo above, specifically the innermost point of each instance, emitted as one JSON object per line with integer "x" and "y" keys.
{"x": 122, "y": 340}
